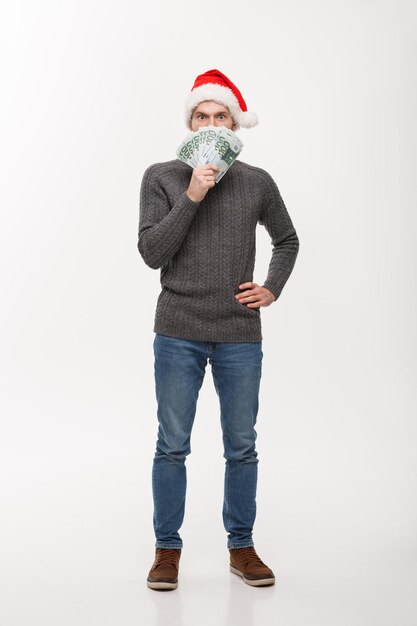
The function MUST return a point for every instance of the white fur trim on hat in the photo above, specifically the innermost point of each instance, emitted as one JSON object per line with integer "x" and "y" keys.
{"x": 223, "y": 95}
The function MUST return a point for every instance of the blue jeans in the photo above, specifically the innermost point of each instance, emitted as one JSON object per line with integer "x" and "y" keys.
{"x": 179, "y": 371}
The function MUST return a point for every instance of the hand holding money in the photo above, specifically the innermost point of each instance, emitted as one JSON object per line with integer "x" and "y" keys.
{"x": 211, "y": 145}
{"x": 202, "y": 179}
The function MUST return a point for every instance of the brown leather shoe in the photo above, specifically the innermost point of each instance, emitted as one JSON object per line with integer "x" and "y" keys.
{"x": 246, "y": 563}
{"x": 164, "y": 571}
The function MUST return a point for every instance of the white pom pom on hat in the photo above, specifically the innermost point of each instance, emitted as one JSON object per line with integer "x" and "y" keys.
{"x": 213, "y": 85}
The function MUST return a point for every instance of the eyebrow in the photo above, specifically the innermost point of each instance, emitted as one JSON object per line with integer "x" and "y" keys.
{"x": 204, "y": 113}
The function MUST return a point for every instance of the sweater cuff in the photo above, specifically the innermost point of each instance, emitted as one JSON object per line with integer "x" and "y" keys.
{"x": 189, "y": 202}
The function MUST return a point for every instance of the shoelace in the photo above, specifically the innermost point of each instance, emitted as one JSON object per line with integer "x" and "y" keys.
{"x": 167, "y": 557}
{"x": 248, "y": 555}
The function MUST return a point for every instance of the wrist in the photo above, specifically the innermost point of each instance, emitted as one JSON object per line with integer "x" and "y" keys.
{"x": 271, "y": 292}
{"x": 192, "y": 197}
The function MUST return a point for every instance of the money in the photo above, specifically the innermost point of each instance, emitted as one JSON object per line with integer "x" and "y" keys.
{"x": 210, "y": 144}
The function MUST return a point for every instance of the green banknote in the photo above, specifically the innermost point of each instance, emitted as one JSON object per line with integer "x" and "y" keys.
{"x": 210, "y": 144}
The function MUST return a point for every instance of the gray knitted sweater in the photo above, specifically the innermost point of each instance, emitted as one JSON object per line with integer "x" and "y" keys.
{"x": 206, "y": 250}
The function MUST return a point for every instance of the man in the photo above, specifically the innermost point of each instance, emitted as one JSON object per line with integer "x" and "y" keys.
{"x": 202, "y": 237}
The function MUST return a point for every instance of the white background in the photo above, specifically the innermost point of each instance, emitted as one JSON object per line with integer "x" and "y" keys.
{"x": 92, "y": 92}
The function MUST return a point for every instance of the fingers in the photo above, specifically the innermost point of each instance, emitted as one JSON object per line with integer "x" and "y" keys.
{"x": 254, "y": 296}
{"x": 202, "y": 179}
{"x": 208, "y": 170}
{"x": 207, "y": 166}
{"x": 206, "y": 173}
{"x": 251, "y": 292}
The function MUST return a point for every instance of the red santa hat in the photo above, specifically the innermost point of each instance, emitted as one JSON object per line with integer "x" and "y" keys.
{"x": 213, "y": 85}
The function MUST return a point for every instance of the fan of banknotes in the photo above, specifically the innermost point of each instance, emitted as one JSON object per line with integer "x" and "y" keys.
{"x": 210, "y": 144}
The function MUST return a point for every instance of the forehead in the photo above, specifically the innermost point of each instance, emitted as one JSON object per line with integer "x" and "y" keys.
{"x": 210, "y": 106}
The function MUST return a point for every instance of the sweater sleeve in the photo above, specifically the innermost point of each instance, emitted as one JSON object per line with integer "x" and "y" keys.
{"x": 162, "y": 227}
{"x": 284, "y": 239}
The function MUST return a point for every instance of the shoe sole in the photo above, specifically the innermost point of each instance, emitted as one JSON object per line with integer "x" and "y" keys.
{"x": 162, "y": 586}
{"x": 261, "y": 582}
